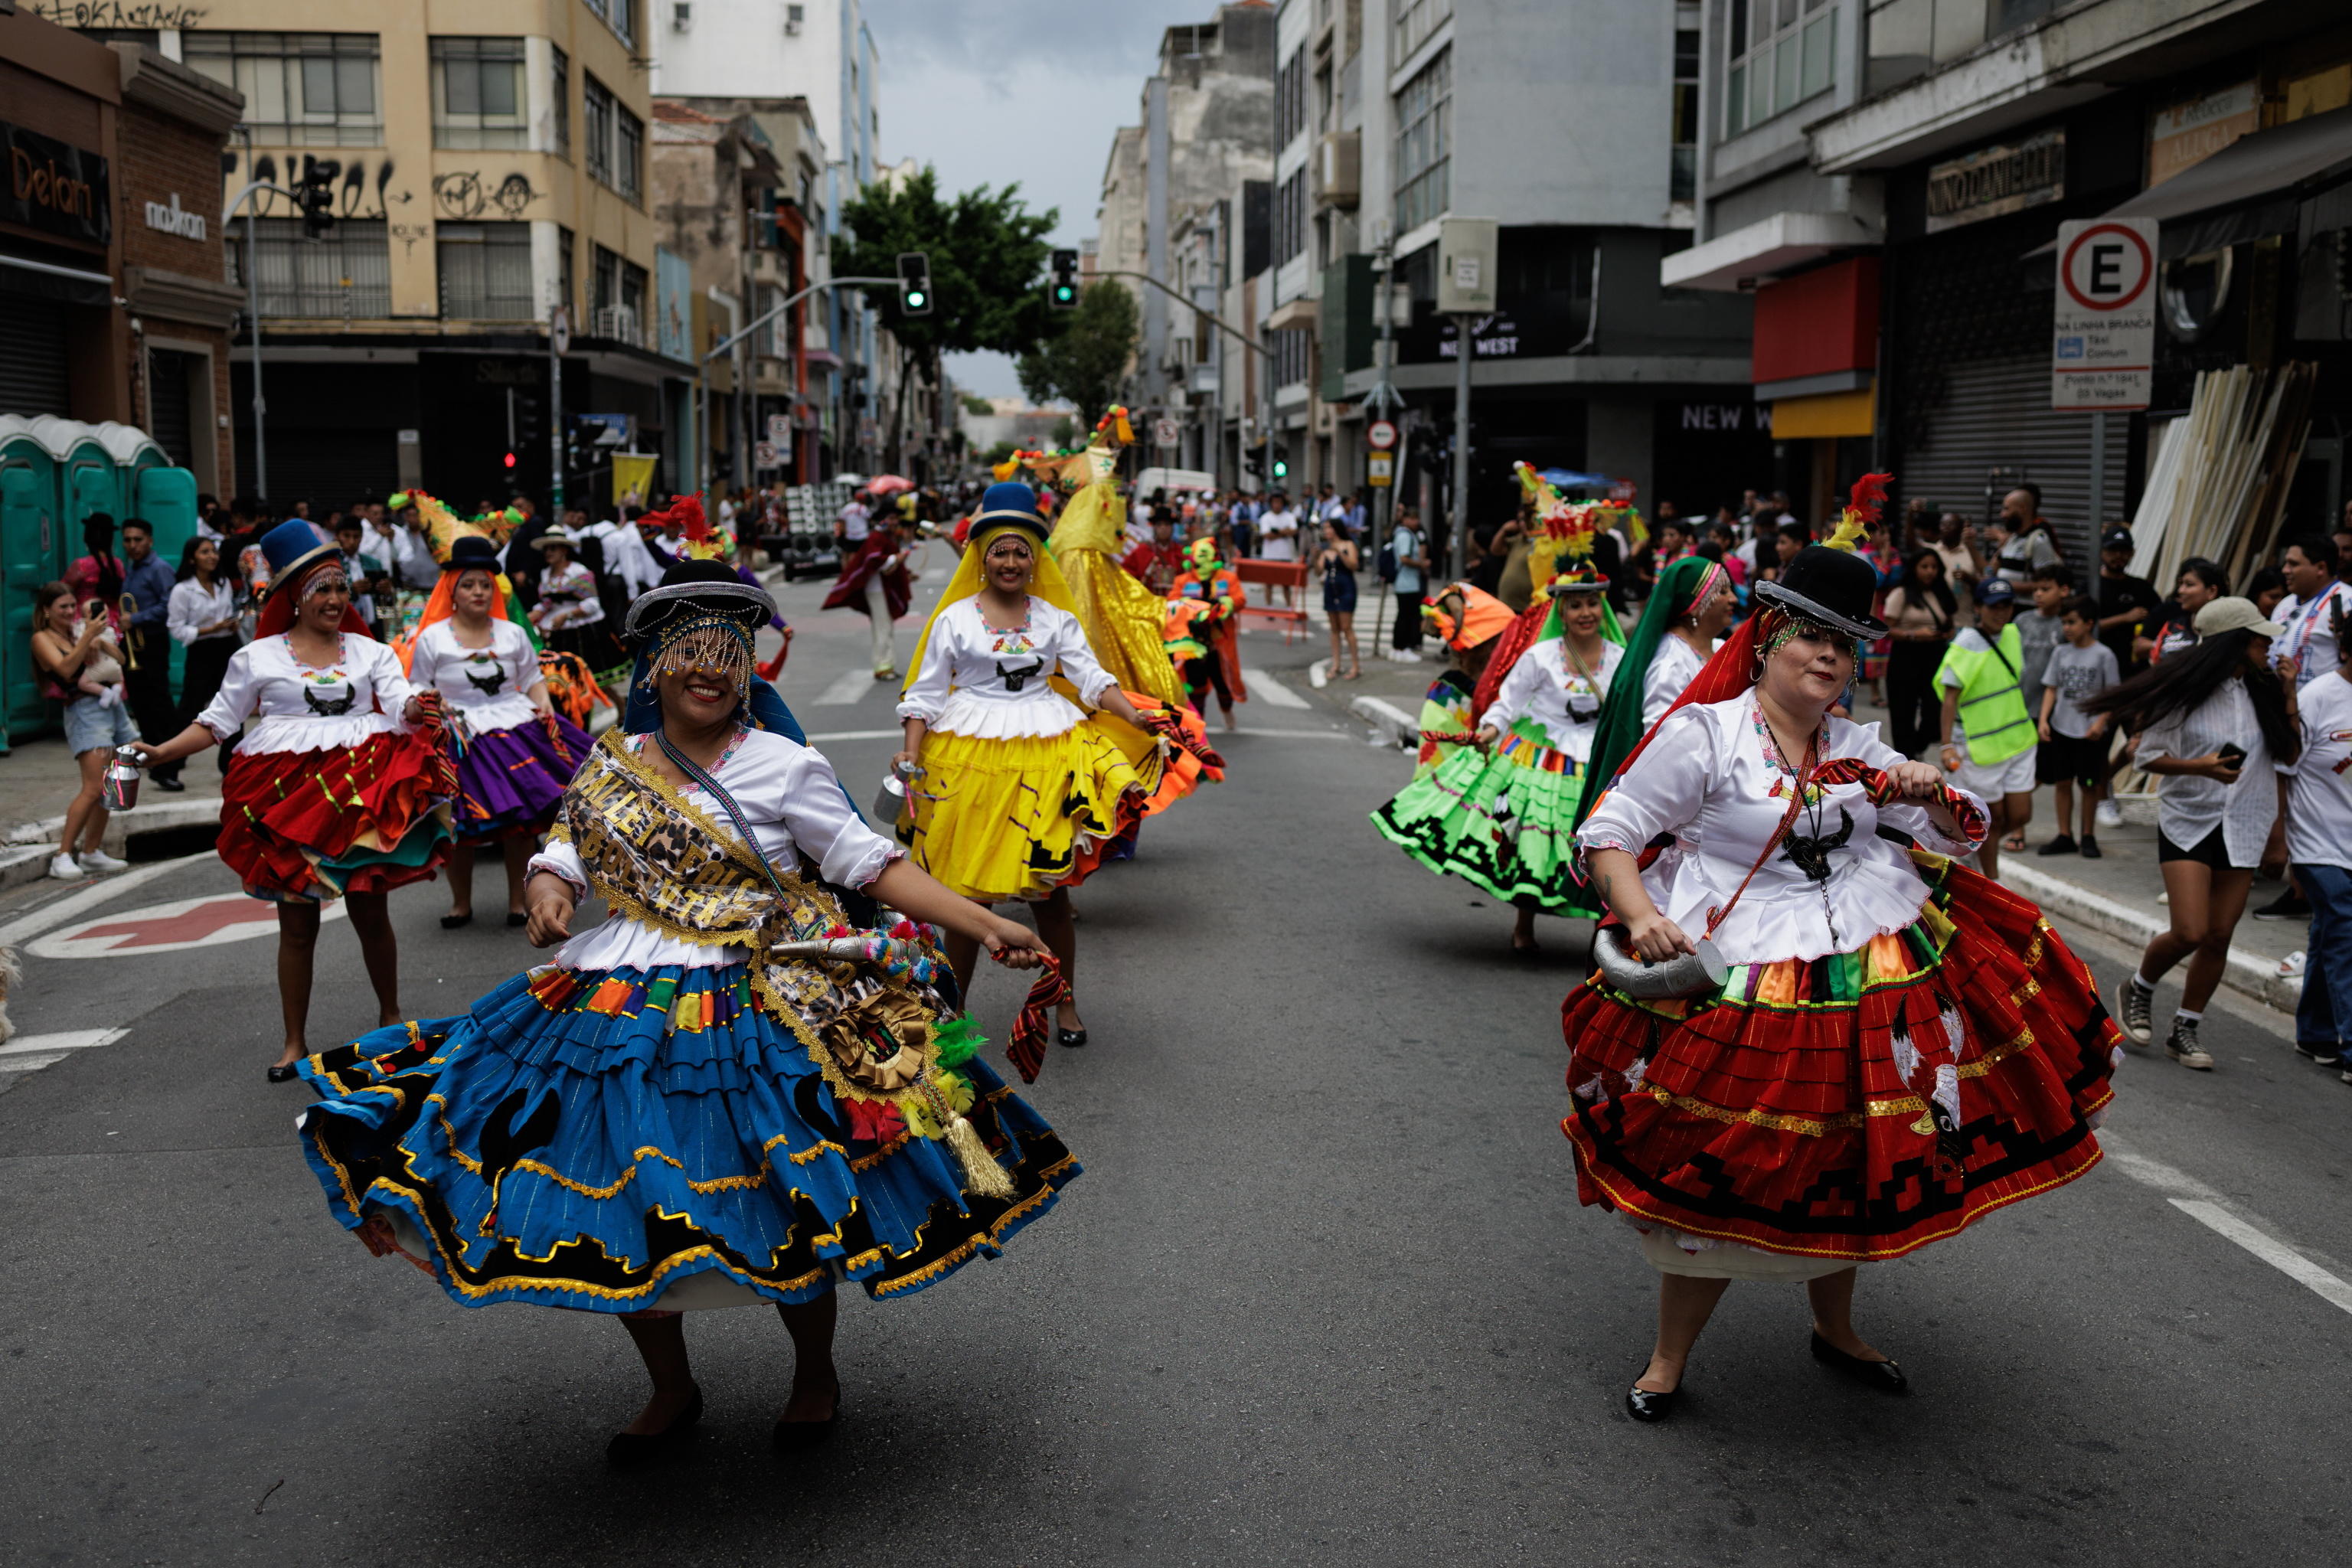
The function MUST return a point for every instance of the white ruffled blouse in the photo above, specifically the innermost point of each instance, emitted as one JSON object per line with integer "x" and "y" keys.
{"x": 308, "y": 708}
{"x": 991, "y": 685}
{"x": 1711, "y": 779}
{"x": 791, "y": 796}
{"x": 1541, "y": 686}
{"x": 1672, "y": 669}
{"x": 487, "y": 687}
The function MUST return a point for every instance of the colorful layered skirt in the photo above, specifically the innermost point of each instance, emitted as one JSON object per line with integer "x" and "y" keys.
{"x": 510, "y": 781}
{"x": 621, "y": 1140}
{"x": 1016, "y": 817}
{"x": 1503, "y": 820}
{"x": 317, "y": 825}
{"x": 1855, "y": 1107}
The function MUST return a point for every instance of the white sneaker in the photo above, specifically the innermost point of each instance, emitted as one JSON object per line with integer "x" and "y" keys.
{"x": 2109, "y": 813}
{"x": 98, "y": 861}
{"x": 1407, "y": 655}
{"x": 63, "y": 868}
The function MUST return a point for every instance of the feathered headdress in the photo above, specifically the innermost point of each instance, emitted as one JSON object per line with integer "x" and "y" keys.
{"x": 1869, "y": 498}
{"x": 443, "y": 528}
{"x": 1560, "y": 551}
{"x": 699, "y": 542}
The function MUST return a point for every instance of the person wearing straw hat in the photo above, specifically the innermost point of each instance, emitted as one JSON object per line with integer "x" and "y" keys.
{"x": 513, "y": 753}
{"x": 747, "y": 1085}
{"x": 1013, "y": 791}
{"x": 338, "y": 789}
{"x": 1807, "y": 1047}
{"x": 569, "y": 613}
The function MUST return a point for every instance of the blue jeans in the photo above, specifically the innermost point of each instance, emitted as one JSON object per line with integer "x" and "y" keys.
{"x": 2324, "y": 1014}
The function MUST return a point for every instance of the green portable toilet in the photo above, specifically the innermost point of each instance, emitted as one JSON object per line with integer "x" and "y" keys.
{"x": 28, "y": 554}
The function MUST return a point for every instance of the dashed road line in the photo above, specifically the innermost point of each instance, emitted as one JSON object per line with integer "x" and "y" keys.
{"x": 31, "y": 1053}
{"x": 1259, "y": 683}
{"x": 847, "y": 689}
{"x": 26, "y": 927}
{"x": 2208, "y": 1208}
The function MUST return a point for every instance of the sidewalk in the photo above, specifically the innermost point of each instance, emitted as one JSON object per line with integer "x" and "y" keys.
{"x": 38, "y": 777}
{"x": 2119, "y": 895}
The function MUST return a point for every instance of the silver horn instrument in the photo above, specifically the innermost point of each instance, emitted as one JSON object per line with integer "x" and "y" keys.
{"x": 1699, "y": 974}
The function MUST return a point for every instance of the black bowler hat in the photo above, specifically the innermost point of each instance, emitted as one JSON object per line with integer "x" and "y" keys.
{"x": 471, "y": 552}
{"x": 1831, "y": 586}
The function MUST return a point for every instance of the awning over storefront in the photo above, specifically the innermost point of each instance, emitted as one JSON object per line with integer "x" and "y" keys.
{"x": 48, "y": 280}
{"x": 2253, "y": 187}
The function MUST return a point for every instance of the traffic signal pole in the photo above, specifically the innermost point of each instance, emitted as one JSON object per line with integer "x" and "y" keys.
{"x": 702, "y": 376}
{"x": 260, "y": 488}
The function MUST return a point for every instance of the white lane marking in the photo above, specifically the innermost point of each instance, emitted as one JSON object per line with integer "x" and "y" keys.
{"x": 26, "y": 927}
{"x": 847, "y": 689}
{"x": 2270, "y": 1249}
{"x": 2203, "y": 1205}
{"x": 1259, "y": 683}
{"x": 856, "y": 735}
{"x": 59, "y": 1043}
{"x": 1319, "y": 674}
{"x": 169, "y": 928}
{"x": 1287, "y": 734}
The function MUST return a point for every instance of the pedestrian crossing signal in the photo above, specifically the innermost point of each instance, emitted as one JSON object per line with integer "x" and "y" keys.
{"x": 1064, "y": 294}
{"x": 511, "y": 460}
{"x": 914, "y": 283}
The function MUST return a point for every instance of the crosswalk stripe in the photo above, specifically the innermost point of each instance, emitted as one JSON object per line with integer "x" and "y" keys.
{"x": 847, "y": 689}
{"x": 1260, "y": 684}
{"x": 58, "y": 1042}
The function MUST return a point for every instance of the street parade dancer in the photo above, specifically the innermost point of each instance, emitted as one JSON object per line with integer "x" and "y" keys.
{"x": 1012, "y": 790}
{"x": 748, "y": 1083}
{"x": 1468, "y": 621}
{"x": 1807, "y": 1046}
{"x": 1499, "y": 813}
{"x": 875, "y": 580}
{"x": 513, "y": 753}
{"x": 339, "y": 790}
{"x": 1202, "y": 630}
{"x": 1689, "y": 609}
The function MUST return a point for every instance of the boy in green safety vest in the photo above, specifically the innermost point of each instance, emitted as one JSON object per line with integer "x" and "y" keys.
{"x": 1988, "y": 735}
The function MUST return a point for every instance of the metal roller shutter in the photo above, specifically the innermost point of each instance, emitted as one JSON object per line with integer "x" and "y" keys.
{"x": 170, "y": 410}
{"x": 32, "y": 357}
{"x": 1995, "y": 414}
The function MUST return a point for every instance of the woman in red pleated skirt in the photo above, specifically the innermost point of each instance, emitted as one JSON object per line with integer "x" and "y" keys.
{"x": 1897, "y": 1047}
{"x": 339, "y": 791}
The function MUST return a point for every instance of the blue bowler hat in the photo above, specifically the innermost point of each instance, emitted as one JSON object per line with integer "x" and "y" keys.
{"x": 291, "y": 548}
{"x": 1009, "y": 502}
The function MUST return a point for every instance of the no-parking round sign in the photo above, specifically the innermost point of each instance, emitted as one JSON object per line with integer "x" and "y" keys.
{"x": 2105, "y": 341}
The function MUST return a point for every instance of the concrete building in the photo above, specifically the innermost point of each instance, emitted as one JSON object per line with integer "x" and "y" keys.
{"x": 1890, "y": 196}
{"x": 824, "y": 54}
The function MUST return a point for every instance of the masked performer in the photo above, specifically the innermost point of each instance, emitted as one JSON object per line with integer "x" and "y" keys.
{"x": 1499, "y": 811}
{"x": 1202, "y": 629}
{"x": 1872, "y": 1048}
{"x": 336, "y": 792}
{"x": 726, "y": 1093}
{"x": 1013, "y": 791}
{"x": 513, "y": 752}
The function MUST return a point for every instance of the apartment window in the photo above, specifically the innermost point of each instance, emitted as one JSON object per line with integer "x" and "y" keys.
{"x": 1780, "y": 52}
{"x": 560, "y": 75}
{"x": 628, "y": 153}
{"x": 1424, "y": 143}
{"x": 1415, "y": 20}
{"x": 607, "y": 281}
{"x": 477, "y": 93}
{"x": 1686, "y": 146}
{"x": 621, "y": 15}
{"x": 1290, "y": 217}
{"x": 302, "y": 90}
{"x": 567, "y": 292}
{"x": 596, "y": 120}
{"x": 485, "y": 271}
{"x": 1290, "y": 98}
{"x": 347, "y": 274}
{"x": 634, "y": 290}
{"x": 1290, "y": 354}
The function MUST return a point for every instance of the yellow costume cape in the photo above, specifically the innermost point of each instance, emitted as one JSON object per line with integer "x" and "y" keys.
{"x": 1122, "y": 617}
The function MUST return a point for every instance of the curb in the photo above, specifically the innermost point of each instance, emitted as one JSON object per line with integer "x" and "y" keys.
{"x": 21, "y": 864}
{"x": 1386, "y": 719}
{"x": 2247, "y": 975}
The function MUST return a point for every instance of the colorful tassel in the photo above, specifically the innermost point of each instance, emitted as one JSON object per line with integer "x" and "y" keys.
{"x": 982, "y": 1175}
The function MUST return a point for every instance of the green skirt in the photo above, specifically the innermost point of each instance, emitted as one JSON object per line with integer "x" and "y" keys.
{"x": 1502, "y": 820}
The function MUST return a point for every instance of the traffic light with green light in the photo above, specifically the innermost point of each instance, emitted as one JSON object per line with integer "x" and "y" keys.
{"x": 914, "y": 283}
{"x": 1063, "y": 293}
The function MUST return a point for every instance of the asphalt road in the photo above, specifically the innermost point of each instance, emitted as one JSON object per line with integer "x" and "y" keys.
{"x": 1324, "y": 1293}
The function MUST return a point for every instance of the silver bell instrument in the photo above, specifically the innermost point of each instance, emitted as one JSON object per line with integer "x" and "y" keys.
{"x": 118, "y": 790}
{"x": 891, "y": 798}
{"x": 1699, "y": 974}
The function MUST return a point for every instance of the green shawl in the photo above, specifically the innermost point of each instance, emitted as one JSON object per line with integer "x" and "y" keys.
{"x": 1620, "y": 715}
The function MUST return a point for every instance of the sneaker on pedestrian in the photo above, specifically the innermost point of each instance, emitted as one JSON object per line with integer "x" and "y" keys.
{"x": 1407, "y": 655}
{"x": 2181, "y": 1046}
{"x": 2109, "y": 813}
{"x": 2091, "y": 848}
{"x": 98, "y": 861}
{"x": 2328, "y": 1053}
{"x": 2288, "y": 905}
{"x": 2063, "y": 845}
{"x": 2134, "y": 1013}
{"x": 64, "y": 870}
{"x": 2346, "y": 1075}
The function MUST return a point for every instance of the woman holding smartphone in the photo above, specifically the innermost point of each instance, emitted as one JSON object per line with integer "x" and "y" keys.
{"x": 2218, "y": 723}
{"x": 1336, "y": 563}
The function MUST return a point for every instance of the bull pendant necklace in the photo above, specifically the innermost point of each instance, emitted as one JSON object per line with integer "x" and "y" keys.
{"x": 1809, "y": 852}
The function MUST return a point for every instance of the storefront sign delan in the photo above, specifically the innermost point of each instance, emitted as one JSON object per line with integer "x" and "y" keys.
{"x": 1994, "y": 180}
{"x": 54, "y": 187}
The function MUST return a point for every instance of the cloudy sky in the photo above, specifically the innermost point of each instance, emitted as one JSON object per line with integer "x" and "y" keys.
{"x": 991, "y": 91}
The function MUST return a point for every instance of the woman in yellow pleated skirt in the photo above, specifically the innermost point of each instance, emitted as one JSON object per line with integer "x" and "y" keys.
{"x": 1019, "y": 789}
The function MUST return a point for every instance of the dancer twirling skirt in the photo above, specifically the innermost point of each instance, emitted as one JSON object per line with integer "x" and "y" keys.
{"x": 1013, "y": 790}
{"x": 1900, "y": 1047}
{"x": 684, "y": 1109}
{"x": 513, "y": 752}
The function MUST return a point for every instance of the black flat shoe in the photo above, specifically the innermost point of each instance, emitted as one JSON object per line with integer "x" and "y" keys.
{"x": 1527, "y": 954}
{"x": 1647, "y": 1404}
{"x": 451, "y": 922}
{"x": 1883, "y": 1375}
{"x": 515, "y": 919}
{"x": 285, "y": 1074}
{"x": 1070, "y": 1038}
{"x": 168, "y": 786}
{"x": 634, "y": 1450}
{"x": 806, "y": 1434}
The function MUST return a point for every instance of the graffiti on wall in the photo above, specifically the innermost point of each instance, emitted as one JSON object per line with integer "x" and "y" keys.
{"x": 466, "y": 194}
{"x": 115, "y": 14}
{"x": 362, "y": 190}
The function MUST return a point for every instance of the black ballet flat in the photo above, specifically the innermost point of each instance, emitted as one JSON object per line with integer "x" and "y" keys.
{"x": 451, "y": 922}
{"x": 516, "y": 919}
{"x": 636, "y": 1450}
{"x": 1885, "y": 1376}
{"x": 806, "y": 1434}
{"x": 1073, "y": 1038}
{"x": 1648, "y": 1405}
{"x": 285, "y": 1074}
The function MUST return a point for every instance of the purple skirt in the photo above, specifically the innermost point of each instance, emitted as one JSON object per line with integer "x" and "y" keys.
{"x": 510, "y": 781}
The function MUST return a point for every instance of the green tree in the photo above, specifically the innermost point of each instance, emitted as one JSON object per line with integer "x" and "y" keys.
{"x": 979, "y": 406}
{"x": 988, "y": 256}
{"x": 1088, "y": 363}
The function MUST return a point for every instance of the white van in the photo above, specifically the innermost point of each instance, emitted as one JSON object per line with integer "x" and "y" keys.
{"x": 1173, "y": 480}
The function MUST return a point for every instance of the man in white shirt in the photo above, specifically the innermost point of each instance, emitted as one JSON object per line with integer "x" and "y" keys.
{"x": 854, "y": 523}
{"x": 2319, "y": 849}
{"x": 1277, "y": 536}
{"x": 2316, "y": 601}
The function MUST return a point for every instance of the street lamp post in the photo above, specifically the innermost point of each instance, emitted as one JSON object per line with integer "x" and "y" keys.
{"x": 1461, "y": 440}
{"x": 260, "y": 488}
